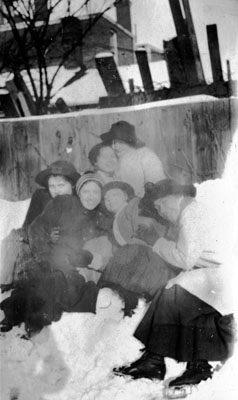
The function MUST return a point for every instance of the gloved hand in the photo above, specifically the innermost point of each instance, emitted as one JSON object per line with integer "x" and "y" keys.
{"x": 54, "y": 234}
{"x": 23, "y": 235}
{"x": 147, "y": 234}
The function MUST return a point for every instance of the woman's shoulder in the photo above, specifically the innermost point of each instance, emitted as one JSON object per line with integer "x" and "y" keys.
{"x": 130, "y": 210}
{"x": 41, "y": 193}
{"x": 66, "y": 199}
{"x": 146, "y": 152}
{"x": 133, "y": 203}
{"x": 195, "y": 212}
{"x": 63, "y": 202}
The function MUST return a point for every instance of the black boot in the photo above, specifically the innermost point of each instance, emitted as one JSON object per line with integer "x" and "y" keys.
{"x": 150, "y": 366}
{"x": 195, "y": 372}
{"x": 5, "y": 325}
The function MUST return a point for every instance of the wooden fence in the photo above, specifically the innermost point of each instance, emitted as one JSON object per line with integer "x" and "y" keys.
{"x": 193, "y": 134}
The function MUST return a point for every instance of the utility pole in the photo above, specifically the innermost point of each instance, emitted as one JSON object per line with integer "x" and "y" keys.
{"x": 193, "y": 38}
{"x": 186, "y": 43}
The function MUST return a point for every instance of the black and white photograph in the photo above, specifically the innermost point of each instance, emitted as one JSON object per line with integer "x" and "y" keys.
{"x": 118, "y": 199}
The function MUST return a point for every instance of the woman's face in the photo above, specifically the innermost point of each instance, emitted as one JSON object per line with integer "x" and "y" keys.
{"x": 90, "y": 195}
{"x": 59, "y": 185}
{"x": 107, "y": 160}
{"x": 168, "y": 207}
{"x": 120, "y": 147}
{"x": 114, "y": 199}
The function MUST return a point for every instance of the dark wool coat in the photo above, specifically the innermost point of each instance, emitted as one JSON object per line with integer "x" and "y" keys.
{"x": 137, "y": 269}
{"x": 48, "y": 282}
{"x": 44, "y": 296}
{"x": 39, "y": 200}
{"x": 76, "y": 225}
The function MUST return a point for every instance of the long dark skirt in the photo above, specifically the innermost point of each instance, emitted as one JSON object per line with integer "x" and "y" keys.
{"x": 136, "y": 268}
{"x": 181, "y": 326}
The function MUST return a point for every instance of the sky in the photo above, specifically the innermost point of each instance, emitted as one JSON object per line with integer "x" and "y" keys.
{"x": 152, "y": 23}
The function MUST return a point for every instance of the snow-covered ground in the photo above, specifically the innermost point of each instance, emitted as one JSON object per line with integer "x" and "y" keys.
{"x": 73, "y": 358}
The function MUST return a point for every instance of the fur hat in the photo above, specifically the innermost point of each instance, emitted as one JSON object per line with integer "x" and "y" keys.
{"x": 59, "y": 167}
{"x": 125, "y": 187}
{"x": 168, "y": 187}
{"x": 123, "y": 131}
{"x": 87, "y": 177}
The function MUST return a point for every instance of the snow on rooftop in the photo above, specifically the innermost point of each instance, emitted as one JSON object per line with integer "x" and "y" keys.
{"x": 86, "y": 90}
{"x": 5, "y": 76}
{"x": 89, "y": 88}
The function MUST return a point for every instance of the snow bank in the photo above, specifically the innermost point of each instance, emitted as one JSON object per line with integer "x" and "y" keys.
{"x": 12, "y": 215}
{"x": 73, "y": 359}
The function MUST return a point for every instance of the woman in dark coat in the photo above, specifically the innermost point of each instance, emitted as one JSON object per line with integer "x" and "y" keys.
{"x": 53, "y": 181}
{"x": 50, "y": 282}
{"x": 74, "y": 220}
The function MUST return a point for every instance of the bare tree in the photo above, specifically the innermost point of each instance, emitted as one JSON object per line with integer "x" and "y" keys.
{"x": 32, "y": 42}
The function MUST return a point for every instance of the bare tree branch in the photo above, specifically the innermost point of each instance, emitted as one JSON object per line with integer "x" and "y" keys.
{"x": 32, "y": 41}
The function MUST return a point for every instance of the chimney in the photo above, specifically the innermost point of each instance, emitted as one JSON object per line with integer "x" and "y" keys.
{"x": 214, "y": 51}
{"x": 123, "y": 13}
{"x": 142, "y": 60}
{"x": 108, "y": 71}
{"x": 113, "y": 44}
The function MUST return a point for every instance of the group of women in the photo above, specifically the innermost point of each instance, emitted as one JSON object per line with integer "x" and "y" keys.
{"x": 124, "y": 225}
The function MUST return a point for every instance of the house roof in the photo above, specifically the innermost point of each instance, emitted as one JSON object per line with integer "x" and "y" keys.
{"x": 150, "y": 47}
{"x": 89, "y": 88}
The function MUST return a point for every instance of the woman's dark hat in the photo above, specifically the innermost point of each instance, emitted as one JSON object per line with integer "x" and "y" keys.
{"x": 125, "y": 187}
{"x": 63, "y": 168}
{"x": 124, "y": 131}
{"x": 168, "y": 187}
